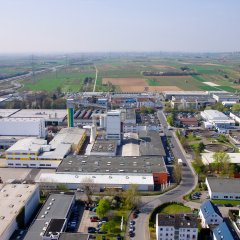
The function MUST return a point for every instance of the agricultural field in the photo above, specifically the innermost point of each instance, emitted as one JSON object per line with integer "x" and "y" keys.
{"x": 126, "y": 73}
{"x": 71, "y": 79}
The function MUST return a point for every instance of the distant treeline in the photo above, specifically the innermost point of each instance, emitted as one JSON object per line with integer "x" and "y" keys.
{"x": 151, "y": 74}
{"x": 4, "y": 76}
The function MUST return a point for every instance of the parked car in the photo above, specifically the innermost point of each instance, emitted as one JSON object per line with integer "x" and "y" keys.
{"x": 91, "y": 230}
{"x": 94, "y": 219}
{"x": 104, "y": 219}
{"x": 131, "y": 234}
{"x": 132, "y": 222}
{"x": 131, "y": 229}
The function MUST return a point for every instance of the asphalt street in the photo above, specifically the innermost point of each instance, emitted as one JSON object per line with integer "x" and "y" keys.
{"x": 189, "y": 180}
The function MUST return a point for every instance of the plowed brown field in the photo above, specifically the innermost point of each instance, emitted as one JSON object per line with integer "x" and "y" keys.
{"x": 149, "y": 88}
{"x": 125, "y": 81}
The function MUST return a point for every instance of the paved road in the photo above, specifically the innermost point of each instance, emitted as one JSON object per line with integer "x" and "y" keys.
{"x": 188, "y": 182}
{"x": 95, "y": 82}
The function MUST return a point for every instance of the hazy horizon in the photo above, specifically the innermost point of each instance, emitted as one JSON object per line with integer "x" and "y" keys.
{"x": 102, "y": 26}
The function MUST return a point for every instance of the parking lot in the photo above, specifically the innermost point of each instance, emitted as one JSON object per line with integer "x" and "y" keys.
{"x": 75, "y": 218}
{"x": 86, "y": 222}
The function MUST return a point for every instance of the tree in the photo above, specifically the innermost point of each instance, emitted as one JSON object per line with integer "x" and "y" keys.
{"x": 88, "y": 186}
{"x": 103, "y": 207}
{"x": 177, "y": 172}
{"x": 236, "y": 107}
{"x": 109, "y": 226}
{"x": 218, "y": 106}
{"x": 170, "y": 119}
{"x": 221, "y": 161}
{"x": 222, "y": 138}
{"x": 131, "y": 197}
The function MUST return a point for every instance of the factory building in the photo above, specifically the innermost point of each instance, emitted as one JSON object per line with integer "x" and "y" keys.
{"x": 108, "y": 172}
{"x": 50, "y": 116}
{"x": 73, "y": 136}
{"x": 217, "y": 120}
{"x": 52, "y": 219}
{"x": 169, "y": 94}
{"x": 17, "y": 204}
{"x": 36, "y": 153}
{"x": 225, "y": 97}
{"x": 235, "y": 117}
{"x": 190, "y": 102}
{"x": 23, "y": 127}
{"x": 113, "y": 128}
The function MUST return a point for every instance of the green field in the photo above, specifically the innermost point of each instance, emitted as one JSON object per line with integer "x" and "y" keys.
{"x": 223, "y": 72}
{"x": 71, "y": 80}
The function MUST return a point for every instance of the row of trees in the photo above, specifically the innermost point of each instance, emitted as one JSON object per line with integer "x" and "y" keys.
{"x": 39, "y": 100}
{"x": 221, "y": 165}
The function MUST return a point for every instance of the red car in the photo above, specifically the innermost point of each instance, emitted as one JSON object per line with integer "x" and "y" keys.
{"x": 94, "y": 219}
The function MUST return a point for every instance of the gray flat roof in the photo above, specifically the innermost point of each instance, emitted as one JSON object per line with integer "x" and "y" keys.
{"x": 74, "y": 236}
{"x": 130, "y": 113}
{"x": 57, "y": 206}
{"x": 104, "y": 146}
{"x": 228, "y": 185}
{"x": 151, "y": 144}
{"x": 104, "y": 164}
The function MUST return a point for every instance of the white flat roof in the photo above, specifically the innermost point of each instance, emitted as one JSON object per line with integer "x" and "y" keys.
{"x": 9, "y": 119}
{"x": 207, "y": 158}
{"x": 7, "y": 112}
{"x": 68, "y": 135}
{"x": 113, "y": 179}
{"x": 59, "y": 153}
{"x": 47, "y": 114}
{"x": 13, "y": 198}
{"x": 215, "y": 115}
{"x": 32, "y": 144}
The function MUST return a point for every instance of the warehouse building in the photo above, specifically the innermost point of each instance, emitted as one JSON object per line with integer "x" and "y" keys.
{"x": 36, "y": 153}
{"x": 17, "y": 204}
{"x": 73, "y": 136}
{"x": 23, "y": 127}
{"x": 52, "y": 219}
{"x": 225, "y": 97}
{"x": 223, "y": 188}
{"x": 169, "y": 94}
{"x": 190, "y": 102}
{"x": 8, "y": 141}
{"x": 109, "y": 172}
{"x": 235, "y": 116}
{"x": 50, "y": 116}
{"x": 5, "y": 113}
{"x": 217, "y": 120}
{"x": 207, "y": 158}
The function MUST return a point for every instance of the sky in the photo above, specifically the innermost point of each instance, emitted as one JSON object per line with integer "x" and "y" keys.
{"x": 49, "y": 26}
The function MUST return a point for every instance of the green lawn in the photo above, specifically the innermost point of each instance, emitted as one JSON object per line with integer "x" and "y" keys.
{"x": 233, "y": 202}
{"x": 175, "y": 208}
